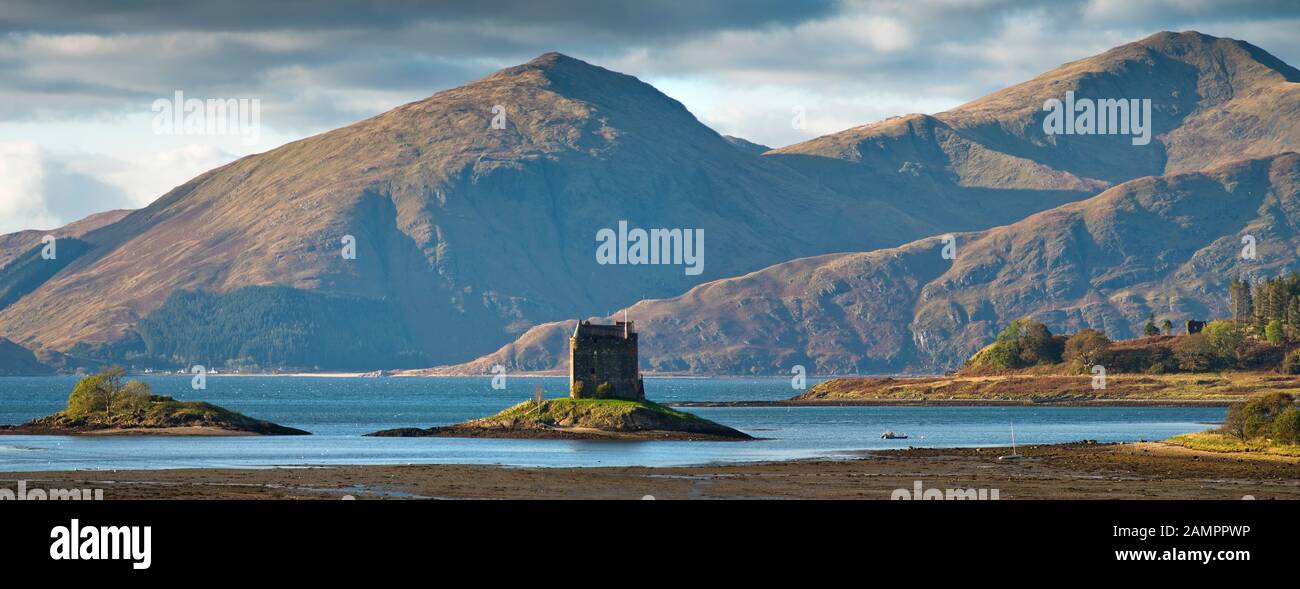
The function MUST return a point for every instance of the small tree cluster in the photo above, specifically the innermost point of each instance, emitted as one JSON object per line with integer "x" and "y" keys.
{"x": 1272, "y": 415}
{"x": 1271, "y": 307}
{"x": 1086, "y": 348}
{"x": 1023, "y": 343}
{"x": 106, "y": 392}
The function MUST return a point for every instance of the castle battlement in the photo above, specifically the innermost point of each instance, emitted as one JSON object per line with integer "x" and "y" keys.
{"x": 603, "y": 362}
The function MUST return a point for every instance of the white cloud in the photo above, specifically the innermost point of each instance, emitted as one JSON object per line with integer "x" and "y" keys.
{"x": 146, "y": 177}
{"x": 41, "y": 189}
{"x": 22, "y": 203}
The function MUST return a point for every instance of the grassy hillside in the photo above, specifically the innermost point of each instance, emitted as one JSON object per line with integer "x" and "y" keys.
{"x": 1215, "y": 388}
{"x": 1168, "y": 246}
{"x": 269, "y": 327}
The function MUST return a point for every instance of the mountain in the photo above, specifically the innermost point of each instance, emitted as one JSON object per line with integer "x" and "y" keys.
{"x": 1213, "y": 101}
{"x": 1165, "y": 245}
{"x": 13, "y": 245}
{"x": 465, "y": 234}
{"x": 16, "y": 360}
{"x": 469, "y": 235}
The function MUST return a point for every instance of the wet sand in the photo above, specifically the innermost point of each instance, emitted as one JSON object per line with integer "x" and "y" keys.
{"x": 1068, "y": 471}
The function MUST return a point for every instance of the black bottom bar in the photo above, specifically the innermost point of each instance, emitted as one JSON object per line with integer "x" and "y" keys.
{"x": 307, "y": 540}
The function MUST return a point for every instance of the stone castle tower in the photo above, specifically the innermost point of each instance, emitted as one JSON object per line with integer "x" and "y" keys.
{"x": 603, "y": 362}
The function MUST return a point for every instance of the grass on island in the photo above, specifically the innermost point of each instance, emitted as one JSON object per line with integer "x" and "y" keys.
{"x": 588, "y": 412}
{"x": 568, "y": 418}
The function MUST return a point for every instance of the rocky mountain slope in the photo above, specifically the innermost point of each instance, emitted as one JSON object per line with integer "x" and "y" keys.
{"x": 13, "y": 245}
{"x": 460, "y": 228}
{"x": 16, "y": 360}
{"x": 1165, "y": 245}
{"x": 468, "y": 235}
{"x": 1213, "y": 100}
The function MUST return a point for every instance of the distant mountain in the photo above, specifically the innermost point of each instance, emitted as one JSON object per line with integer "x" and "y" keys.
{"x": 747, "y": 145}
{"x": 1213, "y": 101}
{"x": 13, "y": 245}
{"x": 16, "y": 360}
{"x": 1164, "y": 245}
{"x": 468, "y": 235}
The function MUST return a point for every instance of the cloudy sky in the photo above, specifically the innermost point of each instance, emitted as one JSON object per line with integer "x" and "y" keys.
{"x": 78, "y": 78}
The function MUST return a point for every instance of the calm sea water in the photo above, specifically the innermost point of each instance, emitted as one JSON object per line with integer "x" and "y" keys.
{"x": 339, "y": 410}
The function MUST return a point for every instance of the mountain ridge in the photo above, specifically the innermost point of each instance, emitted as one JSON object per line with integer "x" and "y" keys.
{"x": 906, "y": 309}
{"x": 468, "y": 235}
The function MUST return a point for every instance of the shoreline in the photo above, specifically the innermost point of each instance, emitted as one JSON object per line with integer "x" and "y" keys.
{"x": 958, "y": 403}
{"x": 1142, "y": 470}
{"x": 174, "y": 431}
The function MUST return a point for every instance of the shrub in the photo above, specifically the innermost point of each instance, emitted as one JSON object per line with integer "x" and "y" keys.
{"x": 131, "y": 400}
{"x": 94, "y": 393}
{"x": 576, "y": 390}
{"x": 1291, "y": 362}
{"x": 1224, "y": 339}
{"x": 1258, "y": 355}
{"x": 1273, "y": 333}
{"x": 1234, "y": 424}
{"x": 1024, "y": 342}
{"x": 1086, "y": 347}
{"x": 1037, "y": 346}
{"x": 1194, "y": 354}
{"x": 1286, "y": 428}
{"x": 1259, "y": 413}
{"x": 603, "y": 390}
{"x": 1161, "y": 361}
{"x": 104, "y": 393}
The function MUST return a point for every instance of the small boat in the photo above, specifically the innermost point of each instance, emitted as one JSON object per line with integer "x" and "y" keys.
{"x": 891, "y": 435}
{"x": 1013, "y": 456}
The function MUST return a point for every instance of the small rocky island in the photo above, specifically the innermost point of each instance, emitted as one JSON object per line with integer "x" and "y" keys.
{"x": 606, "y": 401}
{"x": 103, "y": 405}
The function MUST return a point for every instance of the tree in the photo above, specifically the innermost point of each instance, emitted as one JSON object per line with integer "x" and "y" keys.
{"x": 1193, "y": 354}
{"x": 94, "y": 393}
{"x": 1024, "y": 342}
{"x": 1167, "y": 326}
{"x": 1260, "y": 413}
{"x": 1273, "y": 333}
{"x": 1234, "y": 424}
{"x": 1150, "y": 329}
{"x": 131, "y": 400}
{"x": 1239, "y": 290}
{"x": 1225, "y": 339}
{"x": 1086, "y": 347}
{"x": 1286, "y": 428}
{"x": 1291, "y": 362}
{"x": 106, "y": 393}
{"x": 1036, "y": 344}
